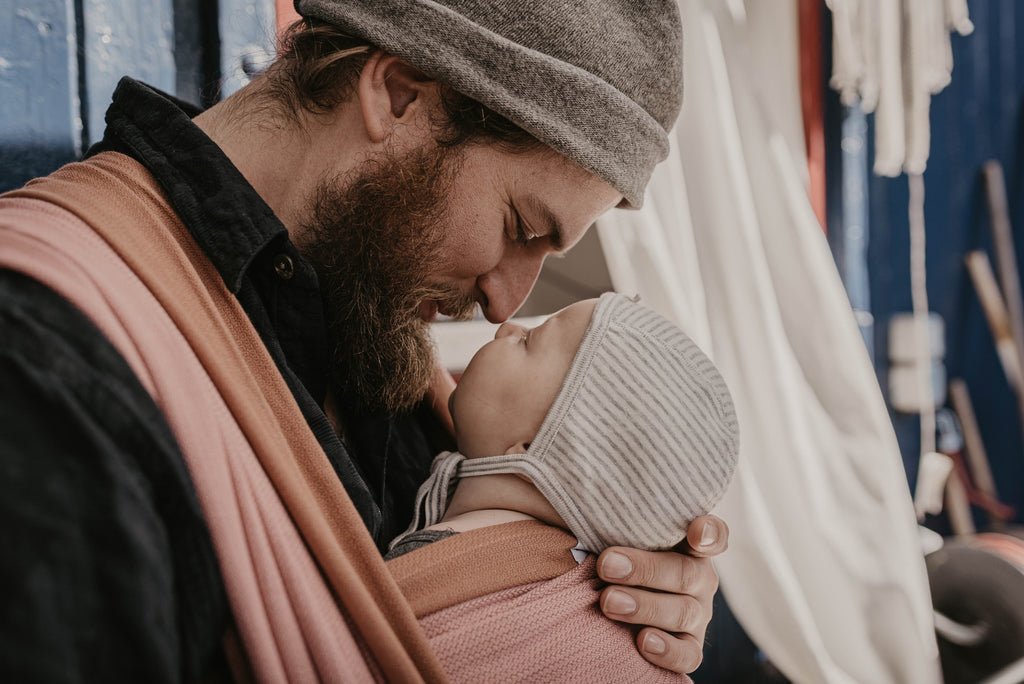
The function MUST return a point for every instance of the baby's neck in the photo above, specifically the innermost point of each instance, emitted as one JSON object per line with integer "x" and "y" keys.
{"x": 486, "y": 500}
{"x": 471, "y": 520}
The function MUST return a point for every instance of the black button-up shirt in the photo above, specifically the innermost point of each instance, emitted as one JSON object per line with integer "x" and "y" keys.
{"x": 107, "y": 571}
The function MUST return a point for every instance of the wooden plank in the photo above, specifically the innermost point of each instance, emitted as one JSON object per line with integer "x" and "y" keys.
{"x": 40, "y": 124}
{"x": 124, "y": 37}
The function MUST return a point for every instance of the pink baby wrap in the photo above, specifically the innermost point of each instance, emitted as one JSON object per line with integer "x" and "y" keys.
{"x": 509, "y": 604}
{"x": 310, "y": 595}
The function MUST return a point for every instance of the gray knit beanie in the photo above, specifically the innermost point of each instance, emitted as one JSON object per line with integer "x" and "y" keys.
{"x": 641, "y": 438}
{"x": 599, "y": 81}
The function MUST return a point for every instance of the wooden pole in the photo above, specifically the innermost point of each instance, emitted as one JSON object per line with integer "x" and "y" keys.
{"x": 958, "y": 508}
{"x": 1005, "y": 254}
{"x": 1006, "y": 261}
{"x": 974, "y": 448}
{"x": 998, "y": 318}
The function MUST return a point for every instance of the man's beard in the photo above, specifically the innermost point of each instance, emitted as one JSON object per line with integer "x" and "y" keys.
{"x": 374, "y": 238}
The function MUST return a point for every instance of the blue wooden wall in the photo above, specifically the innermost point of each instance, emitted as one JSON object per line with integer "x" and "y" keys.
{"x": 976, "y": 118}
{"x": 40, "y": 104}
{"x": 61, "y": 59}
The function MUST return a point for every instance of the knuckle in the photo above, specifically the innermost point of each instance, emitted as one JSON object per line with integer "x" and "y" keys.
{"x": 690, "y": 571}
{"x": 712, "y": 578}
{"x": 675, "y": 620}
{"x": 689, "y": 613}
{"x": 668, "y": 612}
{"x": 679, "y": 620}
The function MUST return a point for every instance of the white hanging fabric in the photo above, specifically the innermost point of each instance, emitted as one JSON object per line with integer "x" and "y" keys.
{"x": 824, "y": 569}
{"x": 893, "y": 55}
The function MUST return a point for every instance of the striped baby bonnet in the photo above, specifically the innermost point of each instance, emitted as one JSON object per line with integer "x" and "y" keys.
{"x": 641, "y": 438}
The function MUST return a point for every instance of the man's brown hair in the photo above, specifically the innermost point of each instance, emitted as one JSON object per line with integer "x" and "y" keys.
{"x": 319, "y": 66}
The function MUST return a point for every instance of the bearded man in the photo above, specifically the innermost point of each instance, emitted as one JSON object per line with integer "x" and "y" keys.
{"x": 216, "y": 335}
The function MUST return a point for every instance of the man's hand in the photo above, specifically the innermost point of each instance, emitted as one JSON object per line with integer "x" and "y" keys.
{"x": 675, "y": 599}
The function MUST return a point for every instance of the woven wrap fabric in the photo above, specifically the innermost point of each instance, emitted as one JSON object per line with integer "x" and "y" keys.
{"x": 600, "y": 81}
{"x": 310, "y": 595}
{"x": 507, "y": 603}
{"x": 641, "y": 438}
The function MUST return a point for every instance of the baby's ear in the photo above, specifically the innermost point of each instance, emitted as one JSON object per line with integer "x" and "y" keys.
{"x": 519, "y": 448}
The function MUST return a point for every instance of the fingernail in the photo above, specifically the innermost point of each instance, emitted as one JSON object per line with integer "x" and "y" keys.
{"x": 615, "y": 566}
{"x": 654, "y": 644}
{"x": 620, "y": 603}
{"x": 709, "y": 535}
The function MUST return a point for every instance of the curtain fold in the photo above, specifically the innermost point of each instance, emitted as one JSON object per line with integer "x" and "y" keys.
{"x": 824, "y": 569}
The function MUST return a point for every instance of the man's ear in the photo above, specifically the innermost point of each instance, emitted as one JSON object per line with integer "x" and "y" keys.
{"x": 391, "y": 93}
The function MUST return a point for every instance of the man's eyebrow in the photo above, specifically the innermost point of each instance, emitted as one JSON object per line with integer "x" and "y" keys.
{"x": 550, "y": 221}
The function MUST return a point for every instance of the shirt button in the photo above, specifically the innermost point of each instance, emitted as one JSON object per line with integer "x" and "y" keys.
{"x": 284, "y": 267}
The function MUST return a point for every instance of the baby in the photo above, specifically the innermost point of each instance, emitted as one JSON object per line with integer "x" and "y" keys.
{"x": 607, "y": 420}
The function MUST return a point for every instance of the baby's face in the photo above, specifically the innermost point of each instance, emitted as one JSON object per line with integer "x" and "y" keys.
{"x": 509, "y": 385}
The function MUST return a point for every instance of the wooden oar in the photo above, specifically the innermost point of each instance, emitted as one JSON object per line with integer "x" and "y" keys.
{"x": 998, "y": 318}
{"x": 1006, "y": 260}
{"x": 1005, "y": 254}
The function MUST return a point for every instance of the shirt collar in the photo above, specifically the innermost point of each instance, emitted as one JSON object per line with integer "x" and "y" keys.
{"x": 226, "y": 216}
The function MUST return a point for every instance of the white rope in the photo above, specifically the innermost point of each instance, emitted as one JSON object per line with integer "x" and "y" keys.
{"x": 919, "y": 299}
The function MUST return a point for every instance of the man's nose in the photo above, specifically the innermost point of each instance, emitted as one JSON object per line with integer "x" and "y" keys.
{"x": 507, "y": 286}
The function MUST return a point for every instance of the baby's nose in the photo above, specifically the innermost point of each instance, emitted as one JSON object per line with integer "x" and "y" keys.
{"x": 507, "y": 329}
